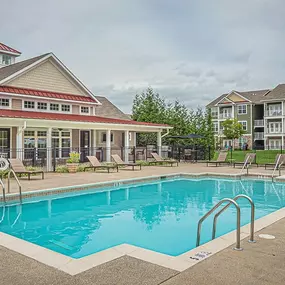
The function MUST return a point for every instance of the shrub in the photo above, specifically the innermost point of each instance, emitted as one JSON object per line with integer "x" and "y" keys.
{"x": 74, "y": 157}
{"x": 61, "y": 169}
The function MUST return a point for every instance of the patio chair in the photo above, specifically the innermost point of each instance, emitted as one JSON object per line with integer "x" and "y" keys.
{"x": 272, "y": 165}
{"x": 96, "y": 164}
{"x": 249, "y": 159}
{"x": 222, "y": 156}
{"x": 119, "y": 162}
{"x": 159, "y": 160}
{"x": 19, "y": 168}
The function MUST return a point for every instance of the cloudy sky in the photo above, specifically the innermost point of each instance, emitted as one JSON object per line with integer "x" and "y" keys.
{"x": 193, "y": 50}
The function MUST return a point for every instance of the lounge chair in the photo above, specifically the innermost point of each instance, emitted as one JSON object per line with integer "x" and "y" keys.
{"x": 220, "y": 160}
{"x": 159, "y": 160}
{"x": 19, "y": 168}
{"x": 249, "y": 159}
{"x": 95, "y": 164}
{"x": 119, "y": 162}
{"x": 277, "y": 159}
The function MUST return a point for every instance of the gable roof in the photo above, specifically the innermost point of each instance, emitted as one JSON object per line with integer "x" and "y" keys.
{"x": 255, "y": 96}
{"x": 6, "y": 49}
{"x": 45, "y": 94}
{"x": 12, "y": 71}
{"x": 277, "y": 93}
{"x": 109, "y": 110}
{"x": 9, "y": 70}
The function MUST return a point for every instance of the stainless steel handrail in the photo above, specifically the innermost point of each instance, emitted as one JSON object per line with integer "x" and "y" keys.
{"x": 251, "y": 239}
{"x": 277, "y": 166}
{"x": 246, "y": 164}
{"x": 4, "y": 190}
{"x": 231, "y": 201}
{"x": 18, "y": 182}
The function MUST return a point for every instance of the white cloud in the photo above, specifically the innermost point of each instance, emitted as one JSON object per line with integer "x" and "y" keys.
{"x": 190, "y": 50}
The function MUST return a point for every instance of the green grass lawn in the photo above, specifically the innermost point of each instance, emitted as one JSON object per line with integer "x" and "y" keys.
{"x": 262, "y": 156}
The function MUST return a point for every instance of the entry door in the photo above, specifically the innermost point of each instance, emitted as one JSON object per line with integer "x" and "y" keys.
{"x": 5, "y": 143}
{"x": 84, "y": 144}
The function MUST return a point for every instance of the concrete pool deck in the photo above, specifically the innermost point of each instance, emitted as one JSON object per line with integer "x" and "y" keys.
{"x": 138, "y": 265}
{"x": 261, "y": 263}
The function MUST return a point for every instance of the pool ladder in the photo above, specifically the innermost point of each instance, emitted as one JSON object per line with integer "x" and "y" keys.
{"x": 230, "y": 202}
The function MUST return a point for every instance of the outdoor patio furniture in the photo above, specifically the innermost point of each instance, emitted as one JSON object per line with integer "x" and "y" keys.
{"x": 272, "y": 165}
{"x": 222, "y": 156}
{"x": 96, "y": 164}
{"x": 120, "y": 162}
{"x": 19, "y": 168}
{"x": 249, "y": 159}
{"x": 160, "y": 160}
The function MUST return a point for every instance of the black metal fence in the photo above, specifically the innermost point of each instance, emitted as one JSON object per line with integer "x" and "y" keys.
{"x": 50, "y": 158}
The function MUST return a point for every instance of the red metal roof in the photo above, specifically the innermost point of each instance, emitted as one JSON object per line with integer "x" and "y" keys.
{"x": 8, "y": 49}
{"x": 46, "y": 94}
{"x": 72, "y": 118}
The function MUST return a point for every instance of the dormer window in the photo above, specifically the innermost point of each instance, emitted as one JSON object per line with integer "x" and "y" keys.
{"x": 42, "y": 106}
{"x": 84, "y": 110}
{"x": 6, "y": 59}
{"x": 65, "y": 108}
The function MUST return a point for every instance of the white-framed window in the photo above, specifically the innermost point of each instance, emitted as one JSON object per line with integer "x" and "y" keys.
{"x": 215, "y": 127}
{"x": 214, "y": 112}
{"x": 84, "y": 110}
{"x": 104, "y": 137}
{"x": 275, "y": 109}
{"x": 275, "y": 127}
{"x": 244, "y": 125}
{"x": 29, "y": 105}
{"x": 242, "y": 109}
{"x": 54, "y": 107}
{"x": 6, "y": 59}
{"x": 35, "y": 139}
{"x": 61, "y": 142}
{"x": 65, "y": 108}
{"x": 274, "y": 144}
{"x": 4, "y": 103}
{"x": 42, "y": 106}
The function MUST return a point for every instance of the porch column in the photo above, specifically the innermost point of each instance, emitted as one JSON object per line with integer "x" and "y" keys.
{"x": 108, "y": 145}
{"x": 135, "y": 139}
{"x": 94, "y": 141}
{"x": 49, "y": 150}
{"x": 19, "y": 144}
{"x": 127, "y": 144}
{"x": 159, "y": 143}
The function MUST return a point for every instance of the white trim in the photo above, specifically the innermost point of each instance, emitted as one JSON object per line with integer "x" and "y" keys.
{"x": 10, "y": 103}
{"x": 10, "y": 52}
{"x": 223, "y": 99}
{"x": 238, "y": 94}
{"x": 46, "y": 98}
{"x": 241, "y": 122}
{"x": 50, "y": 55}
{"x": 82, "y": 113}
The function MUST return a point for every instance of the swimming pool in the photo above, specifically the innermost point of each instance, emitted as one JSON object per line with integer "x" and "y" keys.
{"x": 159, "y": 215}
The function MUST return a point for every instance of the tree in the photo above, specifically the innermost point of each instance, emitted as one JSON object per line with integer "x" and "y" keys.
{"x": 232, "y": 129}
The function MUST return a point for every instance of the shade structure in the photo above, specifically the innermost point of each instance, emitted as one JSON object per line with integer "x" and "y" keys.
{"x": 189, "y": 136}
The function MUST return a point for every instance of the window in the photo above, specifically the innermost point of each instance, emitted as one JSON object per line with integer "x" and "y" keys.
{"x": 214, "y": 112}
{"x": 4, "y": 102}
{"x": 244, "y": 125}
{"x": 104, "y": 137}
{"x": 84, "y": 110}
{"x": 242, "y": 109}
{"x": 62, "y": 142}
{"x": 29, "y": 105}
{"x": 54, "y": 107}
{"x": 42, "y": 106}
{"x": 275, "y": 127}
{"x": 274, "y": 110}
{"x": 215, "y": 127}
{"x": 274, "y": 144}
{"x": 6, "y": 59}
{"x": 65, "y": 108}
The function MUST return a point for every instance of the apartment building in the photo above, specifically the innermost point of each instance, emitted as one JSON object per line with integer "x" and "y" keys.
{"x": 260, "y": 112}
{"x": 43, "y": 105}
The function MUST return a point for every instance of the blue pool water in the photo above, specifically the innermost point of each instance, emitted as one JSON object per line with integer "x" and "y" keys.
{"x": 160, "y": 216}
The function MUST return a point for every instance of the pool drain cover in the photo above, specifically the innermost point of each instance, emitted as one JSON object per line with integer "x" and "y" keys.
{"x": 265, "y": 236}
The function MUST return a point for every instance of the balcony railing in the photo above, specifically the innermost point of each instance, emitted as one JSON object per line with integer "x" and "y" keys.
{"x": 258, "y": 123}
{"x": 226, "y": 116}
{"x": 259, "y": 136}
{"x": 273, "y": 113}
{"x": 273, "y": 131}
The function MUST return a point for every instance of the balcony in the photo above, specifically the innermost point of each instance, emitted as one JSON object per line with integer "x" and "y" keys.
{"x": 258, "y": 123}
{"x": 275, "y": 131}
{"x": 214, "y": 115}
{"x": 226, "y": 116}
{"x": 273, "y": 113}
{"x": 259, "y": 136}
